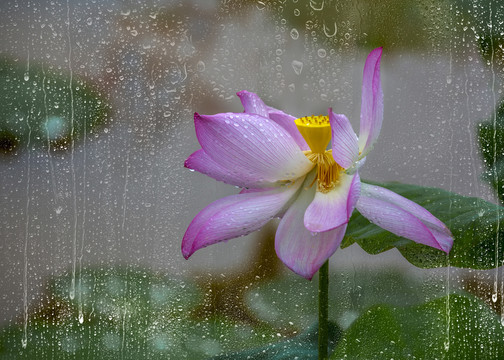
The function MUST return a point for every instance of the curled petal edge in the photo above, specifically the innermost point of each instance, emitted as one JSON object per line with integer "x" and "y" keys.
{"x": 403, "y": 217}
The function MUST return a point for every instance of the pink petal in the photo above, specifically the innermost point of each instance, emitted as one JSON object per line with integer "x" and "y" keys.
{"x": 235, "y": 216}
{"x": 201, "y": 162}
{"x": 252, "y": 103}
{"x": 254, "y": 190}
{"x": 372, "y": 103}
{"x": 285, "y": 207}
{"x": 345, "y": 147}
{"x": 403, "y": 217}
{"x": 330, "y": 210}
{"x": 300, "y": 250}
{"x": 287, "y": 122}
{"x": 252, "y": 145}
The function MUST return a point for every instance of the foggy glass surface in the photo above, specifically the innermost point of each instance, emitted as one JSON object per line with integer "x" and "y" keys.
{"x": 97, "y": 120}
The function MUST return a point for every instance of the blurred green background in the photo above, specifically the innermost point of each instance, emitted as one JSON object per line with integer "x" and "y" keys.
{"x": 96, "y": 112}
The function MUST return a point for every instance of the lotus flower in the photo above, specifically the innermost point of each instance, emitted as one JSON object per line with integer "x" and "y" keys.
{"x": 282, "y": 164}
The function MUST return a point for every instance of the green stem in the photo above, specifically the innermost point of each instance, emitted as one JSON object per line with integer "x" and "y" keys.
{"x": 323, "y": 296}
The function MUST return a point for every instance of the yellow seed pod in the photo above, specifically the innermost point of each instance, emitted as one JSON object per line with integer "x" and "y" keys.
{"x": 316, "y": 130}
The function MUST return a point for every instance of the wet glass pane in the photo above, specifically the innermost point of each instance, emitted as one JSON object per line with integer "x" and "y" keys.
{"x": 97, "y": 118}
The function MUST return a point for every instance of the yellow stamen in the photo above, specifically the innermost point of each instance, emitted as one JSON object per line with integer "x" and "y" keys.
{"x": 316, "y": 130}
{"x": 328, "y": 171}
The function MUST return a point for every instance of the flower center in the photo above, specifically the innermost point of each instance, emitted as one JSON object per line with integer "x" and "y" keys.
{"x": 316, "y": 130}
{"x": 328, "y": 171}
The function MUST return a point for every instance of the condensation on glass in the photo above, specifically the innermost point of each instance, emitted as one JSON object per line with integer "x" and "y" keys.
{"x": 96, "y": 120}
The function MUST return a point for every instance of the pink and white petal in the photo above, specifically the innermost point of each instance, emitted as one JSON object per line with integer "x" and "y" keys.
{"x": 332, "y": 209}
{"x": 356, "y": 167}
{"x": 200, "y": 220}
{"x": 300, "y": 250}
{"x": 254, "y": 190}
{"x": 252, "y": 103}
{"x": 371, "y": 117}
{"x": 201, "y": 162}
{"x": 234, "y": 216}
{"x": 403, "y": 217}
{"x": 360, "y": 163}
{"x": 287, "y": 122}
{"x": 345, "y": 146}
{"x": 252, "y": 144}
{"x": 287, "y": 204}
{"x": 420, "y": 212}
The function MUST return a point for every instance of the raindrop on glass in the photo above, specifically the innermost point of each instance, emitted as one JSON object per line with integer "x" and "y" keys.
{"x": 447, "y": 345}
{"x": 297, "y": 66}
{"x": 294, "y": 34}
{"x": 328, "y": 32}
{"x": 317, "y": 6}
{"x": 200, "y": 66}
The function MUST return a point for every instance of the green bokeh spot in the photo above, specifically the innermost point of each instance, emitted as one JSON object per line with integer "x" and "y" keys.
{"x": 44, "y": 108}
